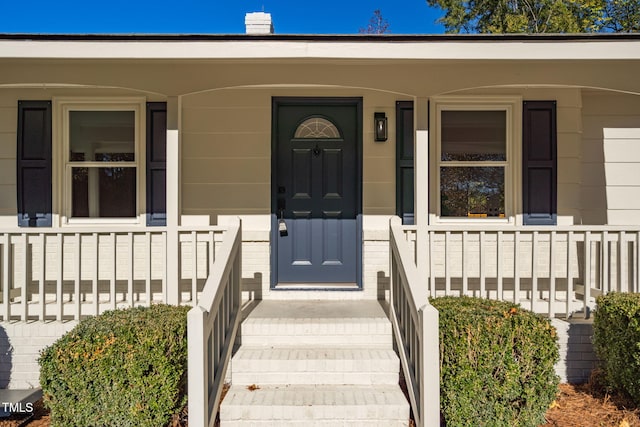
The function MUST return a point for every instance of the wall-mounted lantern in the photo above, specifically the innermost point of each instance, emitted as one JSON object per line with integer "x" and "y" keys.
{"x": 380, "y": 123}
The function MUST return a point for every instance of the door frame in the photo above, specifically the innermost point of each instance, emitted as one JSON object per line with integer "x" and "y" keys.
{"x": 276, "y": 102}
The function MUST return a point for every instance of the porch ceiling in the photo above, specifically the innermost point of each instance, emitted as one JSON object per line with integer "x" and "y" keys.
{"x": 412, "y": 77}
{"x": 416, "y": 65}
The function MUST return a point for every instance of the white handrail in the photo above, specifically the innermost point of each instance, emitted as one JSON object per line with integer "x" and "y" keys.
{"x": 212, "y": 326}
{"x": 550, "y": 269}
{"x": 415, "y": 327}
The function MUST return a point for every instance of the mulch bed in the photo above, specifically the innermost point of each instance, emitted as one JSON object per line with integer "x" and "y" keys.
{"x": 587, "y": 405}
{"x": 591, "y": 405}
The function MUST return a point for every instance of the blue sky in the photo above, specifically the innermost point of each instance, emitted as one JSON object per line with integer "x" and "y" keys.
{"x": 212, "y": 16}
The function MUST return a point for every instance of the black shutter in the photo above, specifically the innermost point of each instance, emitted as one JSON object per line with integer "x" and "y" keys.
{"x": 156, "y": 163}
{"x": 404, "y": 161}
{"x": 34, "y": 164}
{"x": 539, "y": 163}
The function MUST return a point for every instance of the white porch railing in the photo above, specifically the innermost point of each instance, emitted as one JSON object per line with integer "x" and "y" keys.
{"x": 212, "y": 327}
{"x": 415, "y": 326}
{"x": 556, "y": 271}
{"x": 68, "y": 274}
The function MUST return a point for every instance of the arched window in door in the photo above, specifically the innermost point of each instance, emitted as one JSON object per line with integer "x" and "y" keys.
{"x": 315, "y": 128}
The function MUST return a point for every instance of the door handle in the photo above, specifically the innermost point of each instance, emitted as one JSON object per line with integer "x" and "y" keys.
{"x": 282, "y": 205}
{"x": 282, "y": 225}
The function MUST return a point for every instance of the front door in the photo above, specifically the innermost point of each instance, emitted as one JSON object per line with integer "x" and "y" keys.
{"x": 316, "y": 192}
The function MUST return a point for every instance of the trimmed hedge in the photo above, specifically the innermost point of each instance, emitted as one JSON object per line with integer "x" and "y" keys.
{"x": 122, "y": 368}
{"x": 616, "y": 340}
{"x": 496, "y": 363}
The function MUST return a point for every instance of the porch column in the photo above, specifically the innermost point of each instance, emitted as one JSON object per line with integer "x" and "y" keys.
{"x": 421, "y": 196}
{"x": 173, "y": 200}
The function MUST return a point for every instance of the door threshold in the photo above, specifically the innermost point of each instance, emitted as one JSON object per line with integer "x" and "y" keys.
{"x": 317, "y": 287}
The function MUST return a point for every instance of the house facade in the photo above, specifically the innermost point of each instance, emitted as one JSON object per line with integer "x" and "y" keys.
{"x": 123, "y": 159}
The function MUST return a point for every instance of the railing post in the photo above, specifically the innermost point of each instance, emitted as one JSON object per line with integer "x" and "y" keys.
{"x": 77, "y": 257}
{"x": 481, "y": 264}
{"x": 430, "y": 378}
{"x": 6, "y": 277}
{"x": 114, "y": 267}
{"x": 465, "y": 259}
{"x": 25, "y": 280}
{"x": 636, "y": 263}
{"x": 570, "y": 293}
{"x": 237, "y": 287}
{"x": 173, "y": 202}
{"x": 623, "y": 262}
{"x": 194, "y": 268}
{"x": 131, "y": 272}
{"x": 422, "y": 196}
{"x": 499, "y": 272}
{"x": 60, "y": 276}
{"x": 605, "y": 278}
{"x": 534, "y": 270}
{"x": 197, "y": 376}
{"x": 552, "y": 275}
{"x": 42, "y": 276}
{"x": 429, "y": 261}
{"x": 516, "y": 267}
{"x": 95, "y": 276}
{"x": 447, "y": 262}
{"x": 587, "y": 271}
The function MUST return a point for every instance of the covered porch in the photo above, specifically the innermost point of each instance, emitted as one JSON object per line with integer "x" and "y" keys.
{"x": 215, "y": 248}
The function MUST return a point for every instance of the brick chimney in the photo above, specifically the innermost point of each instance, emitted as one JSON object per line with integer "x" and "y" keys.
{"x": 258, "y": 23}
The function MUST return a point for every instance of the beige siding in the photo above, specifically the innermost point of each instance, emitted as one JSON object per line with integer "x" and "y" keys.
{"x": 226, "y": 153}
{"x": 226, "y": 148}
{"x": 8, "y": 126}
{"x": 611, "y": 158}
{"x": 8, "y": 171}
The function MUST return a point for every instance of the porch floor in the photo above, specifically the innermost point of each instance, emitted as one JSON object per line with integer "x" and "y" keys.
{"x": 315, "y": 363}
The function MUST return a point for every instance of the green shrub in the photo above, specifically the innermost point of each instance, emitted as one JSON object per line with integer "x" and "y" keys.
{"x": 616, "y": 339}
{"x": 122, "y": 368}
{"x": 496, "y": 363}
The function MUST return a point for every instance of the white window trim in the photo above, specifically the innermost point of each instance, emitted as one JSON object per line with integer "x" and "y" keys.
{"x": 512, "y": 105}
{"x": 62, "y": 200}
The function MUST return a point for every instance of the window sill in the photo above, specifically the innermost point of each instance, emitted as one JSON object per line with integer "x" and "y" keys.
{"x": 77, "y": 222}
{"x": 480, "y": 220}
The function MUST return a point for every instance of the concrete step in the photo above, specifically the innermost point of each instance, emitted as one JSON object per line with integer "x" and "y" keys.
{"x": 289, "y": 405}
{"x": 325, "y": 323}
{"x": 315, "y": 365}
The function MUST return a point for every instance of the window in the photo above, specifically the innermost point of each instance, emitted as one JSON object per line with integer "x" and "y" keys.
{"x": 316, "y": 127}
{"x": 474, "y": 158}
{"x": 95, "y": 166}
{"x": 102, "y": 160}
